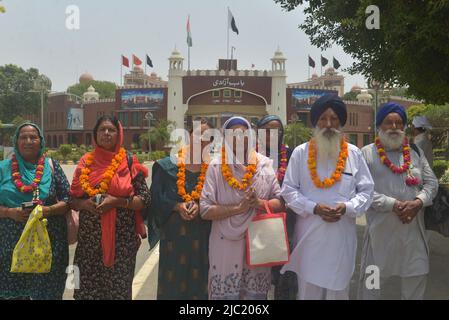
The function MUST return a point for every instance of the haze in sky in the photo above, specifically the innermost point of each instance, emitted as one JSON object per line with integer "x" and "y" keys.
{"x": 34, "y": 34}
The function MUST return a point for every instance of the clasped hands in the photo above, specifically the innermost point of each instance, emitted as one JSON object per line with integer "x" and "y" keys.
{"x": 188, "y": 210}
{"x": 249, "y": 201}
{"x": 109, "y": 202}
{"x": 328, "y": 213}
{"x": 407, "y": 210}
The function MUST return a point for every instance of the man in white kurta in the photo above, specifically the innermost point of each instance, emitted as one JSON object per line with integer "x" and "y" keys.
{"x": 395, "y": 240}
{"x": 324, "y": 252}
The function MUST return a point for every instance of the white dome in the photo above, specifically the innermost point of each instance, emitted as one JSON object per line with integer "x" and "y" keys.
{"x": 364, "y": 96}
{"x": 91, "y": 95}
{"x": 278, "y": 55}
{"x": 176, "y": 55}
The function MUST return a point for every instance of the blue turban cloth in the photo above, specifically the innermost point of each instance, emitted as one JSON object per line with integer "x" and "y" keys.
{"x": 330, "y": 100}
{"x": 388, "y": 108}
{"x": 236, "y": 121}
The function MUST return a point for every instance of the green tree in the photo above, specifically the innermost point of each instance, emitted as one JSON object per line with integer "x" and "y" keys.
{"x": 410, "y": 48}
{"x": 438, "y": 116}
{"x": 105, "y": 89}
{"x": 350, "y": 96}
{"x": 296, "y": 133}
{"x": 7, "y": 133}
{"x": 400, "y": 92}
{"x": 65, "y": 150}
{"x": 17, "y": 95}
{"x": 416, "y": 110}
{"x": 158, "y": 135}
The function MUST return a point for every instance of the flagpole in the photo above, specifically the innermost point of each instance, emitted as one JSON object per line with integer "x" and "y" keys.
{"x": 227, "y": 48}
{"x": 145, "y": 74}
{"x": 188, "y": 45}
{"x": 121, "y": 70}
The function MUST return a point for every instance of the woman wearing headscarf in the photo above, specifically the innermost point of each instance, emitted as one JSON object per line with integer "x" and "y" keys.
{"x": 236, "y": 185}
{"x": 183, "y": 252}
{"x": 285, "y": 285}
{"x": 109, "y": 190}
{"x": 32, "y": 176}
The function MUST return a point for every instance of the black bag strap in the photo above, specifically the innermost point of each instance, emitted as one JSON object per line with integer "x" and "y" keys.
{"x": 415, "y": 147}
{"x": 129, "y": 158}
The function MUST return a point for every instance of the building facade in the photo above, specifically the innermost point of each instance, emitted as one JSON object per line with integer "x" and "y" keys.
{"x": 190, "y": 94}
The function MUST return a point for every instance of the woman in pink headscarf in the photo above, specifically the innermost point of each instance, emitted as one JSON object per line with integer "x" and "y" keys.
{"x": 231, "y": 211}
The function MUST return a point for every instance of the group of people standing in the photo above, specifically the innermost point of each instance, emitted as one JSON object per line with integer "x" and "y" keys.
{"x": 110, "y": 229}
{"x": 202, "y": 211}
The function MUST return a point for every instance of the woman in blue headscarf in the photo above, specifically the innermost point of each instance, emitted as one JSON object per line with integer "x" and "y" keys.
{"x": 31, "y": 176}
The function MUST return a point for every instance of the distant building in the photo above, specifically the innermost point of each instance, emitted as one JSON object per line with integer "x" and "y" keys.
{"x": 215, "y": 94}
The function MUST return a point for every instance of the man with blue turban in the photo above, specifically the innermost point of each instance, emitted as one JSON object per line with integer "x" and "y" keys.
{"x": 395, "y": 240}
{"x": 327, "y": 185}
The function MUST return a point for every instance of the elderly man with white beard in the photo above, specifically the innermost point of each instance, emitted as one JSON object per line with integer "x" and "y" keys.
{"x": 395, "y": 240}
{"x": 327, "y": 184}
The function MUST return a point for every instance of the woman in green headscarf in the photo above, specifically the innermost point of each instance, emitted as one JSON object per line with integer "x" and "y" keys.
{"x": 31, "y": 176}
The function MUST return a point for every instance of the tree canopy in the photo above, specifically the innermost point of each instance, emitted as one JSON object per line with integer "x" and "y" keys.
{"x": 438, "y": 116}
{"x": 17, "y": 91}
{"x": 105, "y": 89}
{"x": 296, "y": 133}
{"x": 410, "y": 48}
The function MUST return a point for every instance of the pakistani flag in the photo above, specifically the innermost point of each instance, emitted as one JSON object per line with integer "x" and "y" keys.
{"x": 231, "y": 22}
{"x": 189, "y": 34}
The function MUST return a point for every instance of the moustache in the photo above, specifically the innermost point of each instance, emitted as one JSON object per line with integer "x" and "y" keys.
{"x": 392, "y": 131}
{"x": 330, "y": 132}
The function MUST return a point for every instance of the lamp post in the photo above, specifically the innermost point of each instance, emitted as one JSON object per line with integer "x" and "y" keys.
{"x": 42, "y": 84}
{"x": 376, "y": 85}
{"x": 149, "y": 117}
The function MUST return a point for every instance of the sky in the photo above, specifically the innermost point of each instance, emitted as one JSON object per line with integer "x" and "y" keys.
{"x": 34, "y": 34}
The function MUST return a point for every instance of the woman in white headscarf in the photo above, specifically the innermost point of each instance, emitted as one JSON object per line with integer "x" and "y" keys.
{"x": 233, "y": 192}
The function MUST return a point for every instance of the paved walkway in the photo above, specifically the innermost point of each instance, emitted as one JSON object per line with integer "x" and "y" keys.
{"x": 145, "y": 280}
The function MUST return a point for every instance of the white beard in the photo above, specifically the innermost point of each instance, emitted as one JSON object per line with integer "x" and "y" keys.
{"x": 327, "y": 144}
{"x": 391, "y": 142}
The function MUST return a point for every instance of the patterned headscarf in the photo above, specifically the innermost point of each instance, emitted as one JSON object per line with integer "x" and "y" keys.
{"x": 10, "y": 196}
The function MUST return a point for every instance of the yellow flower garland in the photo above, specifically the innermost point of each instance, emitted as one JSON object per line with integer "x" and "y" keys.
{"x": 107, "y": 176}
{"x": 227, "y": 174}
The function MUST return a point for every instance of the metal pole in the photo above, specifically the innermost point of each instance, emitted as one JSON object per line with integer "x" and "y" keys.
{"x": 42, "y": 111}
{"x": 375, "y": 113}
{"x": 227, "y": 47}
{"x": 149, "y": 140}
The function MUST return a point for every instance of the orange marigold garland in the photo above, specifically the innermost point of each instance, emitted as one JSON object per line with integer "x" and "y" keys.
{"x": 336, "y": 176}
{"x": 227, "y": 174}
{"x": 107, "y": 176}
{"x": 196, "y": 192}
